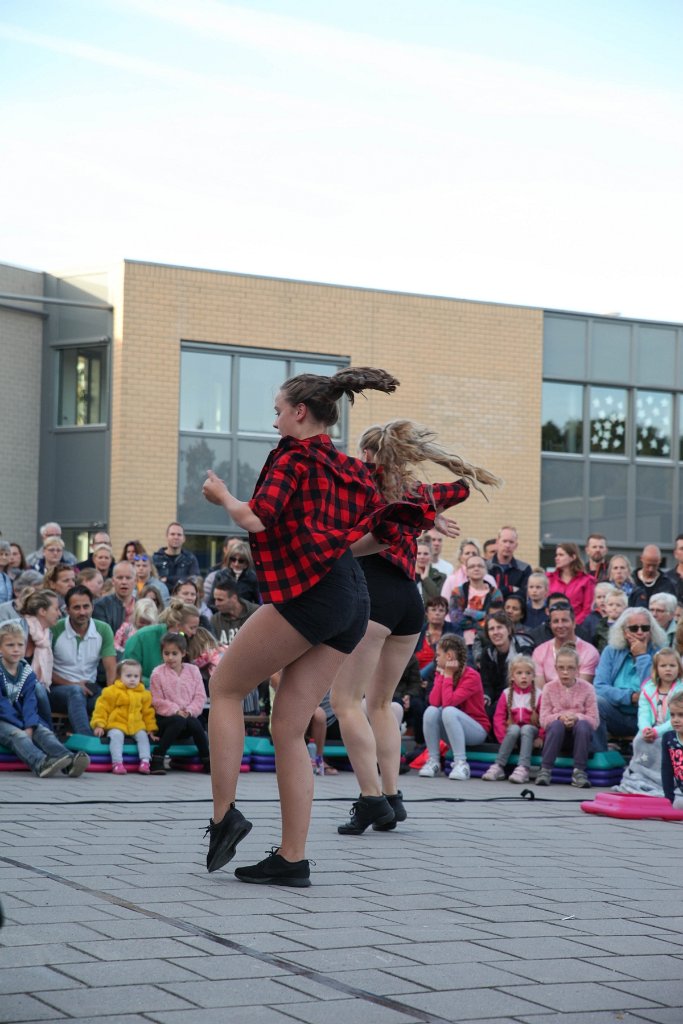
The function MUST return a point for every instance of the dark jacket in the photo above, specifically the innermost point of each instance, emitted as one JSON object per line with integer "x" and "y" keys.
{"x": 246, "y": 584}
{"x": 493, "y": 668}
{"x": 672, "y": 765}
{"x": 431, "y": 585}
{"x": 23, "y": 710}
{"x": 174, "y": 568}
{"x": 640, "y": 598}
{"x": 410, "y": 683}
{"x": 510, "y": 578}
{"x": 110, "y": 610}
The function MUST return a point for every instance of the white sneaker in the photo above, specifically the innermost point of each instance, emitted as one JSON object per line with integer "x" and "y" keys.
{"x": 460, "y": 771}
{"x": 430, "y": 770}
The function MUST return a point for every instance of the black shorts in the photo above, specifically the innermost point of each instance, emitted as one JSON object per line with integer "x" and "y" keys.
{"x": 395, "y": 601}
{"x": 335, "y": 611}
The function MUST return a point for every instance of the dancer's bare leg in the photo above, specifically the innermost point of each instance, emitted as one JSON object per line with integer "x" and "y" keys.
{"x": 379, "y": 692}
{"x": 304, "y": 684}
{"x": 347, "y": 693}
{"x": 263, "y": 645}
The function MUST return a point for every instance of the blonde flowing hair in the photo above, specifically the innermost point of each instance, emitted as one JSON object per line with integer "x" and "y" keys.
{"x": 400, "y": 445}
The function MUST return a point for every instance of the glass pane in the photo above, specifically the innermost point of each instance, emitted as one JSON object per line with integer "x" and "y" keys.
{"x": 562, "y": 418}
{"x": 82, "y": 380}
{"x": 607, "y": 500}
{"x": 610, "y": 351}
{"x": 205, "y": 391}
{"x": 653, "y": 424}
{"x": 608, "y": 421}
{"x": 259, "y": 382}
{"x": 655, "y": 356}
{"x": 561, "y": 499}
{"x": 250, "y": 458}
{"x": 564, "y": 346}
{"x": 197, "y": 454}
{"x": 654, "y": 504}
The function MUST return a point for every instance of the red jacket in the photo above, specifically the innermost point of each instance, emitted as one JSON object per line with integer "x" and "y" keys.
{"x": 579, "y": 592}
{"x": 521, "y": 710}
{"x": 432, "y": 498}
{"x": 467, "y": 694}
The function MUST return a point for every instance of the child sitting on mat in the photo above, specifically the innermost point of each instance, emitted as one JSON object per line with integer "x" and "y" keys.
{"x": 125, "y": 709}
{"x": 178, "y": 696}
{"x": 516, "y": 721}
{"x": 21, "y": 729}
{"x": 569, "y": 715}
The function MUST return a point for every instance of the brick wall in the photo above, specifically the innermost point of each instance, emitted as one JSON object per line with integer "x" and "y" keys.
{"x": 472, "y": 371}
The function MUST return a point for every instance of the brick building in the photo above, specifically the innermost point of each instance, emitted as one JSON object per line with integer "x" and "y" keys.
{"x": 126, "y": 385}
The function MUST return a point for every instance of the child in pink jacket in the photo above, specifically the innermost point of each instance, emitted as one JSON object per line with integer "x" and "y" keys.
{"x": 178, "y": 696}
{"x": 569, "y": 715}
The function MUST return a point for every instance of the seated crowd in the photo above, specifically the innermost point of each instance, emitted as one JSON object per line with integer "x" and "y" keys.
{"x": 569, "y": 661}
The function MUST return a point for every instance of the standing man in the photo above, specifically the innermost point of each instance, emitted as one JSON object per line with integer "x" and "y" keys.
{"x": 648, "y": 579}
{"x": 510, "y": 574}
{"x": 676, "y": 574}
{"x": 78, "y": 644}
{"x": 117, "y": 608}
{"x": 596, "y": 557}
{"x": 439, "y": 563}
{"x": 172, "y": 562}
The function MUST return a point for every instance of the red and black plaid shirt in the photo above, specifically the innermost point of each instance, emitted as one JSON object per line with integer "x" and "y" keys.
{"x": 314, "y": 502}
{"x": 431, "y": 498}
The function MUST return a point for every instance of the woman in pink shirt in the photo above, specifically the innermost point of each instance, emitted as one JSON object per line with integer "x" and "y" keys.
{"x": 570, "y": 579}
{"x": 178, "y": 697}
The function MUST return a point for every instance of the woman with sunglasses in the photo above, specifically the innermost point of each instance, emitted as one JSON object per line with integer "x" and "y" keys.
{"x": 311, "y": 502}
{"x": 625, "y": 664}
{"x": 147, "y": 576}
{"x": 237, "y": 567}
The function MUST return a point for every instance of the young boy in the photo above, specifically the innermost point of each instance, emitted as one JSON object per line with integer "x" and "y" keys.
{"x": 537, "y": 593}
{"x": 672, "y": 753}
{"x": 21, "y": 728}
{"x": 569, "y": 712}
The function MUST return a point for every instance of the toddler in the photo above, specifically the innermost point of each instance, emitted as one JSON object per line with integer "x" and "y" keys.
{"x": 125, "y": 709}
{"x": 644, "y": 773}
{"x": 21, "y": 729}
{"x": 178, "y": 697}
{"x": 616, "y": 602}
{"x": 456, "y": 709}
{"x": 516, "y": 721}
{"x": 569, "y": 714}
{"x": 672, "y": 753}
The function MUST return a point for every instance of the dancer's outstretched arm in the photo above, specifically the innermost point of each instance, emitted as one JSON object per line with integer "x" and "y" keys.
{"x": 216, "y": 491}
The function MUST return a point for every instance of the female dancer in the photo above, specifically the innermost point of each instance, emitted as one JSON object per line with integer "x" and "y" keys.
{"x": 396, "y": 617}
{"x": 310, "y": 503}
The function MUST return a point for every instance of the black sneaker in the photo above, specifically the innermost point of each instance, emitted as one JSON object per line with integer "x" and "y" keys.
{"x": 53, "y": 765}
{"x": 400, "y": 813}
{"x": 79, "y": 764}
{"x": 367, "y": 810}
{"x": 275, "y": 870}
{"x": 224, "y": 837}
{"x": 156, "y": 765}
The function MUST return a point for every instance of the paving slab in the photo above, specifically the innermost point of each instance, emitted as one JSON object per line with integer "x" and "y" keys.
{"x": 476, "y": 911}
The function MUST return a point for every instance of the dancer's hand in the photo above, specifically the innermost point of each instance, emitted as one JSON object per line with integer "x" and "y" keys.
{"x": 214, "y": 489}
{"x": 448, "y": 527}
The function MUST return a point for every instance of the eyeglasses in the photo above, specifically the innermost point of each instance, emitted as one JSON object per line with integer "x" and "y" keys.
{"x": 639, "y": 629}
{"x": 238, "y": 559}
{"x": 141, "y": 558}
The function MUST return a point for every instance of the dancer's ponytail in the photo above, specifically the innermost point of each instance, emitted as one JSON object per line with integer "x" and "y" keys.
{"x": 321, "y": 394}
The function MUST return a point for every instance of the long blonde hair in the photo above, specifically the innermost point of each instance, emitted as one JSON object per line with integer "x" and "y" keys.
{"x": 400, "y": 445}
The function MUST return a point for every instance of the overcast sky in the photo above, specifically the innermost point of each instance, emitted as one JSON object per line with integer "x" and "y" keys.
{"x": 525, "y": 152}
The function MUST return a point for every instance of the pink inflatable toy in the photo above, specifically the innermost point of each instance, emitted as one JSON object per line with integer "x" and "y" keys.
{"x": 632, "y": 806}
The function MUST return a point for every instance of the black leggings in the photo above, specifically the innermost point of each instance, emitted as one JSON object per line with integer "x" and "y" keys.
{"x": 175, "y": 727}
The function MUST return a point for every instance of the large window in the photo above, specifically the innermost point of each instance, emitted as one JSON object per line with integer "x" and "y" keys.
{"x": 82, "y": 386}
{"x": 226, "y": 421}
{"x": 611, "y": 431}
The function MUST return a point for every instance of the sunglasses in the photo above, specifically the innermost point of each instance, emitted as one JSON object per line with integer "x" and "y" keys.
{"x": 638, "y": 629}
{"x": 238, "y": 559}
{"x": 141, "y": 558}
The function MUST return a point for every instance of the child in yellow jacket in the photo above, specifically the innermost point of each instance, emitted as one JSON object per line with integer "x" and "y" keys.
{"x": 125, "y": 709}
